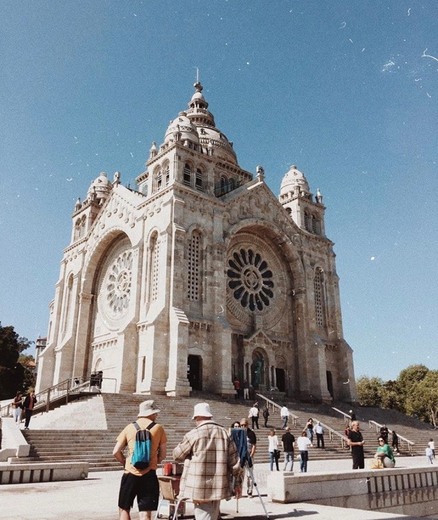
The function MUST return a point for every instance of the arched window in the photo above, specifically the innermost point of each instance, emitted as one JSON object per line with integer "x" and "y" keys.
{"x": 307, "y": 221}
{"x": 187, "y": 175}
{"x": 316, "y": 226}
{"x": 199, "y": 181}
{"x": 154, "y": 263}
{"x": 194, "y": 267}
{"x": 318, "y": 288}
{"x": 68, "y": 302}
{"x": 166, "y": 175}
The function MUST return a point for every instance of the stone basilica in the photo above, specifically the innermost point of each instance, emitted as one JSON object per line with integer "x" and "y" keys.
{"x": 199, "y": 276}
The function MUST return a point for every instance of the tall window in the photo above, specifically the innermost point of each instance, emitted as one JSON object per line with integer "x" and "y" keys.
{"x": 318, "y": 288}
{"x": 187, "y": 175}
{"x": 154, "y": 269}
{"x": 194, "y": 263}
{"x": 68, "y": 302}
{"x": 166, "y": 175}
{"x": 307, "y": 221}
{"x": 199, "y": 182}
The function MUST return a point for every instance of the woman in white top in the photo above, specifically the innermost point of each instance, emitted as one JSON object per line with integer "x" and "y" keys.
{"x": 273, "y": 449}
{"x": 303, "y": 444}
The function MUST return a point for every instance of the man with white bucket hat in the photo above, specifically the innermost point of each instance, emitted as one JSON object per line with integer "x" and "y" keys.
{"x": 210, "y": 457}
{"x": 140, "y": 483}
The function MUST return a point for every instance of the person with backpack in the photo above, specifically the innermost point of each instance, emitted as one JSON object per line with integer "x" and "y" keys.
{"x": 147, "y": 445}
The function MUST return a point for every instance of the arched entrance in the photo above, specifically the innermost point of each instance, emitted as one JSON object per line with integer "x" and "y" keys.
{"x": 259, "y": 378}
{"x": 194, "y": 372}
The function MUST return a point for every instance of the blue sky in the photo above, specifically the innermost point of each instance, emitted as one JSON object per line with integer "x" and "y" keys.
{"x": 345, "y": 90}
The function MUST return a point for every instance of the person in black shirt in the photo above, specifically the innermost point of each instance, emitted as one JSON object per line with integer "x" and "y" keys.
{"x": 356, "y": 442}
{"x": 288, "y": 440}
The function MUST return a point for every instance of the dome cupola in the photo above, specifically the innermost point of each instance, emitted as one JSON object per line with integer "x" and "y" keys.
{"x": 292, "y": 180}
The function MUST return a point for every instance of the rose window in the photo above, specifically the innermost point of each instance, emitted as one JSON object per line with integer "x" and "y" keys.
{"x": 118, "y": 286}
{"x": 250, "y": 279}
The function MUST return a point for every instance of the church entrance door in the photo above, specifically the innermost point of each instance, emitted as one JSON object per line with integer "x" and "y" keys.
{"x": 280, "y": 378}
{"x": 194, "y": 372}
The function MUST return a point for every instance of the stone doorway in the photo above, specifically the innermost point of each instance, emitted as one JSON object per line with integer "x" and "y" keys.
{"x": 194, "y": 372}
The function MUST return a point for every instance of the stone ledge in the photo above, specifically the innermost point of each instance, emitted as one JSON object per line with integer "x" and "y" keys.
{"x": 23, "y": 473}
{"x": 401, "y": 490}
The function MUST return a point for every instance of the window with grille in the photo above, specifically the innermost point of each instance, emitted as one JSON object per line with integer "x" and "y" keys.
{"x": 319, "y": 297}
{"x": 194, "y": 262}
{"x": 198, "y": 182}
{"x": 187, "y": 175}
{"x": 155, "y": 261}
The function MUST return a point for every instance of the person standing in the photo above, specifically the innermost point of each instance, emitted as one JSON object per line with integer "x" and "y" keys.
{"x": 395, "y": 442}
{"x": 251, "y": 440}
{"x": 284, "y": 414}
{"x": 356, "y": 442}
{"x": 246, "y": 389}
{"x": 431, "y": 445}
{"x": 303, "y": 444}
{"x": 29, "y": 404}
{"x": 211, "y": 457}
{"x": 254, "y": 416}
{"x": 319, "y": 431}
{"x": 273, "y": 450}
{"x": 140, "y": 483}
{"x": 287, "y": 441}
{"x": 266, "y": 416}
{"x": 17, "y": 406}
{"x": 309, "y": 429}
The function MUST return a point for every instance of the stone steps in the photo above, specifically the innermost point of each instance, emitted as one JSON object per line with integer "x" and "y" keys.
{"x": 95, "y": 446}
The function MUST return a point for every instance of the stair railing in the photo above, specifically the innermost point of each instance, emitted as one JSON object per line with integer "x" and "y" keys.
{"x": 332, "y": 433}
{"x": 377, "y": 426}
{"x": 272, "y": 405}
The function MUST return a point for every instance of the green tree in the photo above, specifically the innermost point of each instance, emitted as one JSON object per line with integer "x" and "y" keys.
{"x": 11, "y": 371}
{"x": 391, "y": 397}
{"x": 28, "y": 363}
{"x": 422, "y": 401}
{"x": 406, "y": 381}
{"x": 369, "y": 390}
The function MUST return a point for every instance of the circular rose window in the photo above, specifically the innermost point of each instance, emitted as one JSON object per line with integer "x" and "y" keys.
{"x": 250, "y": 279}
{"x": 117, "y": 284}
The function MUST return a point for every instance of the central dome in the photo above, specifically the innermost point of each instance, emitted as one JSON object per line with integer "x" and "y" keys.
{"x": 197, "y": 126}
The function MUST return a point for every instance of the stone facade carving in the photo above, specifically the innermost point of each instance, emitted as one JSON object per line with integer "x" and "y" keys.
{"x": 199, "y": 276}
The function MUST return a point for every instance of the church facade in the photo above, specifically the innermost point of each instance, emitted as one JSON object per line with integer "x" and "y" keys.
{"x": 199, "y": 276}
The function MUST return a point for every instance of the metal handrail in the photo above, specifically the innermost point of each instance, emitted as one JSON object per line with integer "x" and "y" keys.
{"x": 274, "y": 405}
{"x": 377, "y": 426}
{"x": 404, "y": 439}
{"x": 46, "y": 397}
{"x": 332, "y": 433}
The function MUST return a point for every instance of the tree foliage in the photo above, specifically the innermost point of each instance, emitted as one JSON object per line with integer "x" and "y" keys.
{"x": 12, "y": 373}
{"x": 414, "y": 392}
{"x": 423, "y": 398}
{"x": 369, "y": 390}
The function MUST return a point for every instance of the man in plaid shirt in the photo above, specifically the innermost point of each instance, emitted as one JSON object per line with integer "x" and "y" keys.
{"x": 211, "y": 457}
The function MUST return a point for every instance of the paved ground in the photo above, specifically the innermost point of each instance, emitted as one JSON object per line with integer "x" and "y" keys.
{"x": 96, "y": 499}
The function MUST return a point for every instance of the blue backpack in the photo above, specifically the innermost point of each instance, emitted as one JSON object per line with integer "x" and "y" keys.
{"x": 141, "y": 456}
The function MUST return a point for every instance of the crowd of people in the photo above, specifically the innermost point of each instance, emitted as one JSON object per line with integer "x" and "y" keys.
{"x": 217, "y": 461}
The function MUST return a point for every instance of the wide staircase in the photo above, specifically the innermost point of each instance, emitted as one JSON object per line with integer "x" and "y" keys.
{"x": 86, "y": 443}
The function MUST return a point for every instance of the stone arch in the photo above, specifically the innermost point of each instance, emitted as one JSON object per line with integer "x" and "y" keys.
{"x": 259, "y": 369}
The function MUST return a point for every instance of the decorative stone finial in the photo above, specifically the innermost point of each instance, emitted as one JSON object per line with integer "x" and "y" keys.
{"x": 260, "y": 173}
